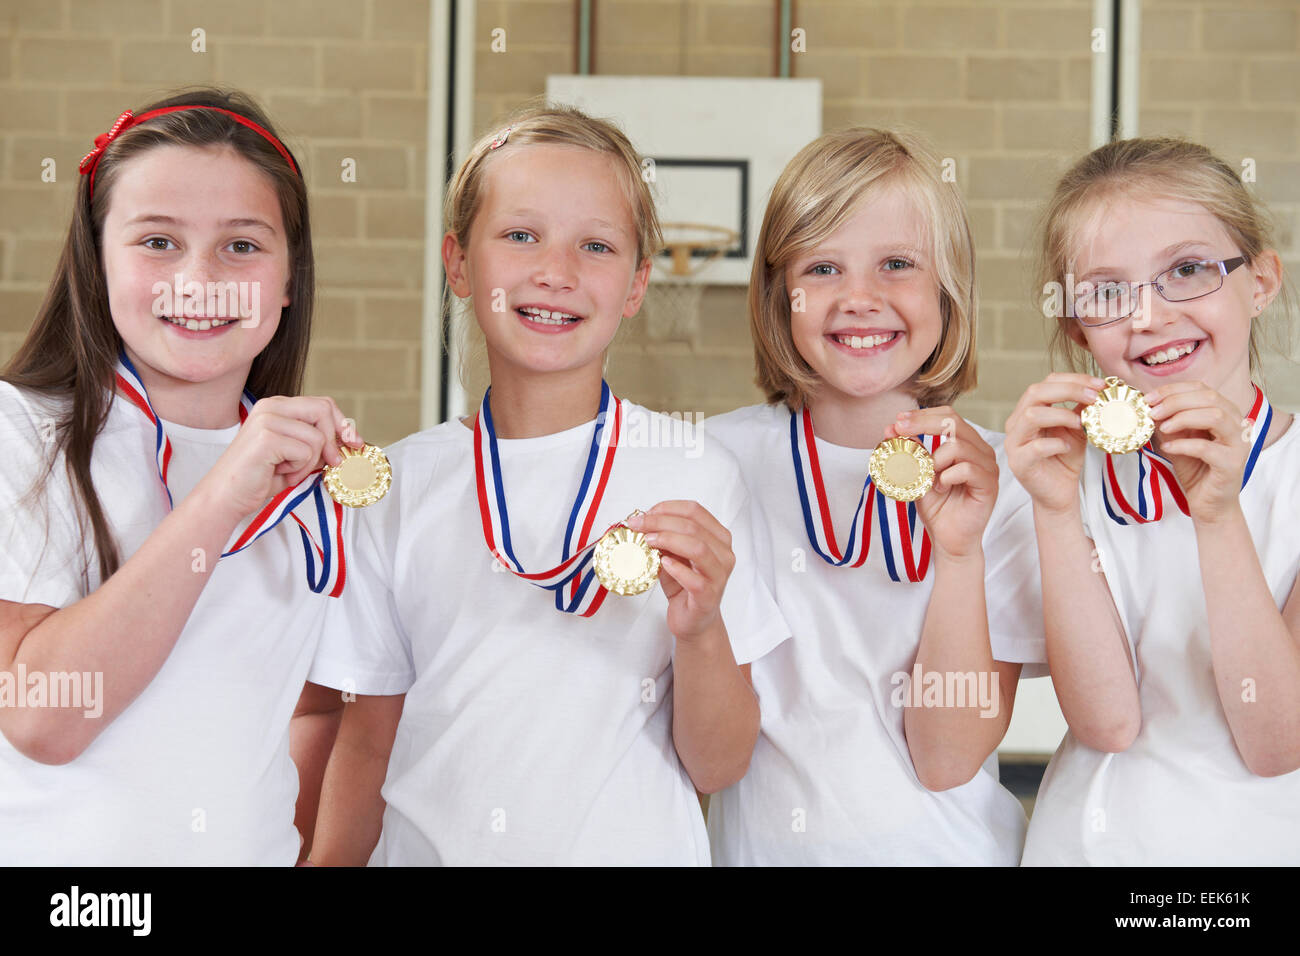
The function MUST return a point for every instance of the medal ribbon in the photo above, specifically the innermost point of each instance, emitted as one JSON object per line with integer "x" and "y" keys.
{"x": 325, "y": 517}
{"x": 573, "y": 580}
{"x": 1155, "y": 476}
{"x": 907, "y": 557}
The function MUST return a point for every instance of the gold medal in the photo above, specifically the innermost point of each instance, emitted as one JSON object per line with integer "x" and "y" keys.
{"x": 901, "y": 469}
{"x": 1119, "y": 421}
{"x": 624, "y": 563}
{"x": 362, "y": 478}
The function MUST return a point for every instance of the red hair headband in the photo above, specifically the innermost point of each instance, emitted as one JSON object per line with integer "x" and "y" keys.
{"x": 129, "y": 119}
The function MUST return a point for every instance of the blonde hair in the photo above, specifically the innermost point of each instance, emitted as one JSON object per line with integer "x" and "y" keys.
{"x": 820, "y": 189}
{"x": 532, "y": 124}
{"x": 1161, "y": 167}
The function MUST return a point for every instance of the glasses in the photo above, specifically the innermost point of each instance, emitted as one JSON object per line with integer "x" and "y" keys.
{"x": 1111, "y": 302}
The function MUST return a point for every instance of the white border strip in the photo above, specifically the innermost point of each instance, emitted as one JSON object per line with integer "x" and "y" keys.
{"x": 1101, "y": 73}
{"x": 1130, "y": 56}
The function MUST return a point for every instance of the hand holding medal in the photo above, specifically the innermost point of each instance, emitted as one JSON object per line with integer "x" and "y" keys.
{"x": 956, "y": 509}
{"x": 363, "y": 476}
{"x": 696, "y": 560}
{"x": 1045, "y": 443}
{"x": 1208, "y": 444}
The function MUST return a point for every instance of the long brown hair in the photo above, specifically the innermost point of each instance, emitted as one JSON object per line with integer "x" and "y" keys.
{"x": 72, "y": 348}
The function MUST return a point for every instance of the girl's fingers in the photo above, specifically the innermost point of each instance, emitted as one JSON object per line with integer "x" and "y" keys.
{"x": 966, "y": 473}
{"x": 951, "y": 452}
{"x": 1158, "y": 395}
{"x": 690, "y": 580}
{"x": 1062, "y": 387}
{"x": 657, "y": 524}
{"x": 1047, "y": 447}
{"x": 1213, "y": 420}
{"x": 692, "y": 549}
{"x": 1050, "y": 416}
{"x": 1203, "y": 449}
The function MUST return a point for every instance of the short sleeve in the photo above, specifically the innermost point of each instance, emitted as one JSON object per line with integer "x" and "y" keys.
{"x": 363, "y": 648}
{"x": 754, "y": 622}
{"x": 42, "y": 556}
{"x": 1013, "y": 583}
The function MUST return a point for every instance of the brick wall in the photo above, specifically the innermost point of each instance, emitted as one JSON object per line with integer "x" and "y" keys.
{"x": 1227, "y": 74}
{"x": 341, "y": 78}
{"x": 1001, "y": 86}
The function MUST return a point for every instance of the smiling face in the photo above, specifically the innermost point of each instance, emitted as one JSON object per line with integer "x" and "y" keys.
{"x": 1205, "y": 339}
{"x": 211, "y": 216}
{"x": 871, "y": 297}
{"x": 551, "y": 259}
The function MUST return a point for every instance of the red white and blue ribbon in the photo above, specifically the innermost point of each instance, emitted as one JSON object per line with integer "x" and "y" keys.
{"x": 906, "y": 554}
{"x": 325, "y": 564}
{"x": 1151, "y": 476}
{"x": 573, "y": 580}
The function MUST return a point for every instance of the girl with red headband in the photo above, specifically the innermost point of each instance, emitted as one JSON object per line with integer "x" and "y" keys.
{"x": 148, "y": 680}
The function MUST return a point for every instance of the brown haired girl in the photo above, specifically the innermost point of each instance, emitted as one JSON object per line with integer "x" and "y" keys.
{"x": 147, "y": 686}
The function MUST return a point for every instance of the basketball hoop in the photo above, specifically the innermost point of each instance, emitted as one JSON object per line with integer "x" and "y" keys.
{"x": 672, "y": 303}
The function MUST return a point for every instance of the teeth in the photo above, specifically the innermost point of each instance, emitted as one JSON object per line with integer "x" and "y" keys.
{"x": 197, "y": 325}
{"x": 864, "y": 341}
{"x": 1166, "y": 356}
{"x": 548, "y": 317}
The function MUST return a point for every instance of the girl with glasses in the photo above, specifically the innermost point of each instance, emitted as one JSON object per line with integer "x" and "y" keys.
{"x": 1170, "y": 573}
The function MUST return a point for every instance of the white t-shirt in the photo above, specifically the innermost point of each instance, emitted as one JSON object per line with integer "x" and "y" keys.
{"x": 196, "y": 771}
{"x": 530, "y": 736}
{"x": 1180, "y": 795}
{"x": 831, "y": 781}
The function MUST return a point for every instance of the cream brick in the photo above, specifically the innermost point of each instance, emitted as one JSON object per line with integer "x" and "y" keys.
{"x": 33, "y": 260}
{"x": 349, "y": 66}
{"x": 229, "y": 18}
{"x": 118, "y": 17}
{"x": 1051, "y": 29}
{"x": 1013, "y": 78}
{"x": 348, "y": 265}
{"x": 1046, "y": 127}
{"x": 914, "y": 77}
{"x": 950, "y": 28}
{"x": 335, "y": 318}
{"x": 1078, "y": 80}
{"x": 392, "y": 318}
{"x": 636, "y": 24}
{"x": 30, "y": 110}
{"x": 1270, "y": 81}
{"x": 407, "y": 19}
{"x": 386, "y": 420}
{"x": 324, "y": 116}
{"x": 1170, "y": 79}
{"x": 516, "y": 71}
{"x": 165, "y": 64}
{"x": 335, "y": 216}
{"x": 837, "y": 114}
{"x": 955, "y": 128}
{"x": 60, "y": 62}
{"x": 724, "y": 318}
{"x": 1170, "y": 122}
{"x": 39, "y": 209}
{"x": 1241, "y": 132}
{"x": 1005, "y": 278}
{"x": 89, "y": 112}
{"x": 1007, "y": 178}
{"x": 31, "y": 15}
{"x": 715, "y": 62}
{"x": 1004, "y": 376}
{"x": 613, "y": 61}
{"x": 18, "y": 308}
{"x": 983, "y": 228}
{"x": 1017, "y": 227}
{"x": 856, "y": 26}
{"x": 305, "y": 19}
{"x": 1278, "y": 181}
{"x": 395, "y": 217}
{"x": 266, "y": 66}
{"x": 1249, "y": 31}
{"x": 377, "y": 167}
{"x": 736, "y": 25}
{"x": 1170, "y": 27}
{"x": 397, "y": 117}
{"x": 551, "y": 24}
{"x": 367, "y": 368}
{"x": 28, "y": 153}
{"x": 6, "y": 59}
{"x": 1021, "y": 329}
